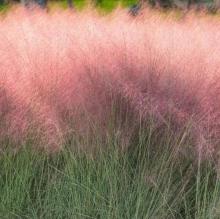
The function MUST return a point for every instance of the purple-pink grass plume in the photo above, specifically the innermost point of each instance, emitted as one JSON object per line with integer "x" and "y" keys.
{"x": 61, "y": 72}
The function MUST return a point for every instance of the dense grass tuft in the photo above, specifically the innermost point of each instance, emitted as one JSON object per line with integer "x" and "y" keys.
{"x": 137, "y": 183}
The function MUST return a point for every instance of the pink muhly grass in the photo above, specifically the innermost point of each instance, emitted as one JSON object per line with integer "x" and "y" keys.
{"x": 61, "y": 71}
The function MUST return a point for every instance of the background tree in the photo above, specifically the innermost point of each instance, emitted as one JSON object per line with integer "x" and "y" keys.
{"x": 70, "y": 3}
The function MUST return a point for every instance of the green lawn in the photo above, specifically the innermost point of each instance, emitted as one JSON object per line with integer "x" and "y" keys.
{"x": 106, "y": 5}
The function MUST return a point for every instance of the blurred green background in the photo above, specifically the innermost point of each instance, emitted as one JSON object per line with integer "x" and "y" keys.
{"x": 109, "y": 5}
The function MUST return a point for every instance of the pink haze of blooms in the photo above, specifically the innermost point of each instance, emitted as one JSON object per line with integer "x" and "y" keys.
{"x": 58, "y": 68}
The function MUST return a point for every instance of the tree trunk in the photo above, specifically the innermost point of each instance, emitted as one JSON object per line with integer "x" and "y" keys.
{"x": 217, "y": 4}
{"x": 70, "y": 3}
